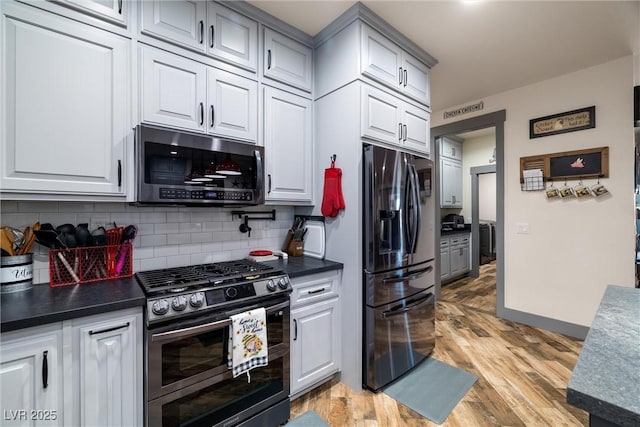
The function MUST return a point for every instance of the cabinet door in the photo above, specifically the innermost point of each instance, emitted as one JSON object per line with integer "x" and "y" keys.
{"x": 450, "y": 148}
{"x": 173, "y": 89}
{"x": 451, "y": 183}
{"x": 65, "y": 126}
{"x": 31, "y": 380}
{"x": 110, "y": 381}
{"x": 381, "y": 59}
{"x": 232, "y": 37}
{"x": 287, "y": 61}
{"x": 444, "y": 263}
{"x": 415, "y": 82}
{"x": 178, "y": 21}
{"x": 232, "y": 105}
{"x": 288, "y": 146}
{"x": 115, "y": 11}
{"x": 381, "y": 116}
{"x": 315, "y": 343}
{"x": 415, "y": 127}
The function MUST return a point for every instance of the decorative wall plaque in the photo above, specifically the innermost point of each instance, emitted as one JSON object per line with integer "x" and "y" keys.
{"x": 571, "y": 121}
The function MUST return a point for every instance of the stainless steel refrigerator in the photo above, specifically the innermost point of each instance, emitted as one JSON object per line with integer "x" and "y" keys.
{"x": 399, "y": 264}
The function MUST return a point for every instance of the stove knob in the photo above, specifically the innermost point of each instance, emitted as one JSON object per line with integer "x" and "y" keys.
{"x": 196, "y": 300}
{"x": 179, "y": 303}
{"x": 271, "y": 286}
{"x": 231, "y": 292}
{"x": 160, "y": 307}
{"x": 283, "y": 282}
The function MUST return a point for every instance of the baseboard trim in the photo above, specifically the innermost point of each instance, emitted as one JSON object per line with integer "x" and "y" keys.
{"x": 553, "y": 325}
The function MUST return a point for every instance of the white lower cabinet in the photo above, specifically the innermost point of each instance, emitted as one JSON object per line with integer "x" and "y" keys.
{"x": 80, "y": 372}
{"x": 288, "y": 146}
{"x": 31, "y": 377}
{"x": 455, "y": 257}
{"x": 315, "y": 330}
{"x": 107, "y": 387}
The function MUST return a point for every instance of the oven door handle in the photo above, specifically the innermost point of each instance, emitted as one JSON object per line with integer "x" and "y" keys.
{"x": 193, "y": 330}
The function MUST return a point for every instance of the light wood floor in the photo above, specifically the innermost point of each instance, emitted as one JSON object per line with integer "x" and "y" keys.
{"x": 522, "y": 371}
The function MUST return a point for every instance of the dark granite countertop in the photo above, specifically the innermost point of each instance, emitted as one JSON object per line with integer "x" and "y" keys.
{"x": 444, "y": 233}
{"x": 606, "y": 379}
{"x": 42, "y": 304}
{"x": 305, "y": 265}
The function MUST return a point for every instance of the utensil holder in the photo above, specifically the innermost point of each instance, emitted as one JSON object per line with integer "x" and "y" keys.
{"x": 16, "y": 273}
{"x": 90, "y": 264}
{"x": 296, "y": 248}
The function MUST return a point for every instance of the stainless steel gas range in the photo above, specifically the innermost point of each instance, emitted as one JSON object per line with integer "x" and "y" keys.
{"x": 188, "y": 309}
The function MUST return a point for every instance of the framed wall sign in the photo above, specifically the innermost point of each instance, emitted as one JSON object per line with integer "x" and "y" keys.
{"x": 571, "y": 121}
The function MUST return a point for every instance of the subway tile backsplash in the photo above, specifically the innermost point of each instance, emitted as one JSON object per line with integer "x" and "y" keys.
{"x": 167, "y": 236}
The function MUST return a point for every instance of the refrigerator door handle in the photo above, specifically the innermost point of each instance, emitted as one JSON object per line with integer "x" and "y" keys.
{"x": 410, "y": 276}
{"x": 416, "y": 304}
{"x": 413, "y": 224}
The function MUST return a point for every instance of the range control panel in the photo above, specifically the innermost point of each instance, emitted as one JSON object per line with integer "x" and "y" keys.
{"x": 184, "y": 194}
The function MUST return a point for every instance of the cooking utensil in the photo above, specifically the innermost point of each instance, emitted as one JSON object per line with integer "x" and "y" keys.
{"x": 128, "y": 234}
{"x": 6, "y": 241}
{"x": 48, "y": 238}
{"x": 28, "y": 235}
{"x": 99, "y": 236}
{"x": 83, "y": 236}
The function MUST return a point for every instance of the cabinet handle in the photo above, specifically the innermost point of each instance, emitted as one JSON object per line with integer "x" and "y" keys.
{"x": 201, "y": 32}
{"x": 404, "y": 127}
{"x": 295, "y": 329}
{"x": 399, "y": 131}
{"x": 119, "y": 173}
{"x": 400, "y": 75}
{"x": 45, "y": 370}
{"x": 405, "y": 78}
{"x": 269, "y": 59}
{"x": 201, "y": 114}
{"x": 317, "y": 291}
{"x": 269, "y": 187}
{"x": 120, "y": 7}
{"x": 213, "y": 33}
{"x": 212, "y": 116}
{"x": 115, "y": 328}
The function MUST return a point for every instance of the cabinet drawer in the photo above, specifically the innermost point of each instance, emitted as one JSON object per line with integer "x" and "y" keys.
{"x": 313, "y": 288}
{"x": 444, "y": 243}
{"x": 454, "y": 241}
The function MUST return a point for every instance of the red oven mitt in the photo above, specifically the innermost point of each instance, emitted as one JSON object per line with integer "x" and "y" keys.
{"x": 332, "y": 198}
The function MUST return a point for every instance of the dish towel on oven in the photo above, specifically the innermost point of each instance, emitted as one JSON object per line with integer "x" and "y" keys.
{"x": 248, "y": 341}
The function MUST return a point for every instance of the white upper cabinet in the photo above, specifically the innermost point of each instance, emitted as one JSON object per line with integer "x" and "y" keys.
{"x": 179, "y": 92}
{"x": 179, "y": 21}
{"x": 66, "y": 105}
{"x": 287, "y": 60}
{"x": 174, "y": 89}
{"x": 232, "y": 105}
{"x": 386, "y": 62}
{"x": 206, "y": 27}
{"x": 390, "y": 119}
{"x": 232, "y": 37}
{"x": 288, "y": 146}
{"x": 114, "y": 11}
{"x": 450, "y": 148}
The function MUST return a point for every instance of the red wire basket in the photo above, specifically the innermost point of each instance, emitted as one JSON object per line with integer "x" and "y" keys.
{"x": 90, "y": 264}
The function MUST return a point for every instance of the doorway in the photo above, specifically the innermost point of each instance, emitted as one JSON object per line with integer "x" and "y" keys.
{"x": 495, "y": 120}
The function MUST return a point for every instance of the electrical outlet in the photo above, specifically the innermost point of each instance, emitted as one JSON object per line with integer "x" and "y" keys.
{"x": 523, "y": 228}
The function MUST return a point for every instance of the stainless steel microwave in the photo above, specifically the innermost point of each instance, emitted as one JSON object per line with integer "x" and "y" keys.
{"x": 184, "y": 168}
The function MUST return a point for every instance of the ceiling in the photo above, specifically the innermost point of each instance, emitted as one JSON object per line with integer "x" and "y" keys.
{"x": 488, "y": 47}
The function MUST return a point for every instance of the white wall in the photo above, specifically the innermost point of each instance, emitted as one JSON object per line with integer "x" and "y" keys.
{"x": 167, "y": 236}
{"x": 475, "y": 152}
{"x": 574, "y": 248}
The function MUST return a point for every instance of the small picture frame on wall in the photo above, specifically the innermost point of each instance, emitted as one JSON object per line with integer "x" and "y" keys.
{"x": 570, "y": 121}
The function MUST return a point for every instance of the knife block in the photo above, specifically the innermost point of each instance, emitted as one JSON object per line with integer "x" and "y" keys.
{"x": 295, "y": 248}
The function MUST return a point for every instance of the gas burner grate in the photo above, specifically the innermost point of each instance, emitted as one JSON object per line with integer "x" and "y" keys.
{"x": 180, "y": 278}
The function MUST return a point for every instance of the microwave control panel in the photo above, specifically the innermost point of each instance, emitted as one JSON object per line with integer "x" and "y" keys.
{"x": 184, "y": 194}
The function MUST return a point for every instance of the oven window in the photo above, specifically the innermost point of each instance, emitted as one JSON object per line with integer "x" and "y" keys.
{"x": 216, "y": 403}
{"x": 186, "y": 357}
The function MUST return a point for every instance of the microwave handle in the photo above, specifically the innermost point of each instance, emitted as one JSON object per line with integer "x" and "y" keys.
{"x": 260, "y": 171}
